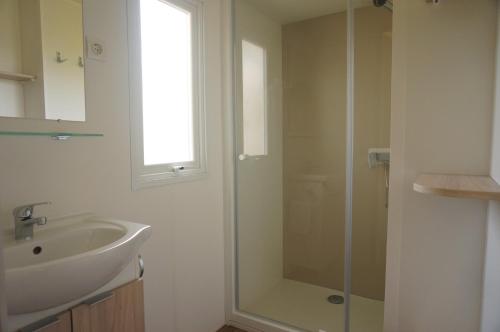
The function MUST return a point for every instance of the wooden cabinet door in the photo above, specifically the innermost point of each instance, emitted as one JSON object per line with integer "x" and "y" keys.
{"x": 60, "y": 323}
{"x": 121, "y": 310}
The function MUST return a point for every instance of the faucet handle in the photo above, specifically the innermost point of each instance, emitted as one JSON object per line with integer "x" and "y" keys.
{"x": 26, "y": 211}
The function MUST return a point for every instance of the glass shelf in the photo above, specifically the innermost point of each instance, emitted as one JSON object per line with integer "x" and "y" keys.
{"x": 17, "y": 77}
{"x": 61, "y": 136}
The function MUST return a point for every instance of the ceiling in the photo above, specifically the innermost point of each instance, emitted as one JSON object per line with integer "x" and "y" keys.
{"x": 287, "y": 11}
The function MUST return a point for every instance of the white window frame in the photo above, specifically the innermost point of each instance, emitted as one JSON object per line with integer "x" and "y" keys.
{"x": 144, "y": 176}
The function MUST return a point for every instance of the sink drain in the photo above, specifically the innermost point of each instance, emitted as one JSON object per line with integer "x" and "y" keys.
{"x": 335, "y": 299}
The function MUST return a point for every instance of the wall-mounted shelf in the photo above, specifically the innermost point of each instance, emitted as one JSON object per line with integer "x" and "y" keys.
{"x": 17, "y": 77}
{"x": 461, "y": 186}
{"x": 60, "y": 136}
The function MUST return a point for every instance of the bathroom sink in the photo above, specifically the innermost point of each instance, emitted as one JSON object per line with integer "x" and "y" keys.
{"x": 68, "y": 259}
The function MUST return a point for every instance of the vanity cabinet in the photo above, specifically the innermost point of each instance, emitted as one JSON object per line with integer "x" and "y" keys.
{"x": 119, "y": 310}
{"x": 58, "y": 323}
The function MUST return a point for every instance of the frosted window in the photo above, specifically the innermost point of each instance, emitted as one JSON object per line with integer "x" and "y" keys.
{"x": 254, "y": 99}
{"x": 167, "y": 83}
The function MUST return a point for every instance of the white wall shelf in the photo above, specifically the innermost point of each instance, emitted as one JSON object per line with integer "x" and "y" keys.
{"x": 17, "y": 77}
{"x": 460, "y": 186}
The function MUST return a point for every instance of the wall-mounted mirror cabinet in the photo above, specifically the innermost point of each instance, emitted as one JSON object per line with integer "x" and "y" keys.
{"x": 42, "y": 59}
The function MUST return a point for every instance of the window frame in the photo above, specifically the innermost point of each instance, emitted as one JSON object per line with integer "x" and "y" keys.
{"x": 144, "y": 176}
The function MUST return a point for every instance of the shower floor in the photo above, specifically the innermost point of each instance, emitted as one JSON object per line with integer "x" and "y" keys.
{"x": 305, "y": 306}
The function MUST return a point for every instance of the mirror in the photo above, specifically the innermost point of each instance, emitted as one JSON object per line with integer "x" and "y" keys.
{"x": 41, "y": 59}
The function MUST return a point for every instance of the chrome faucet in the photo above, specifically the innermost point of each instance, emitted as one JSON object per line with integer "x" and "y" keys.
{"x": 24, "y": 221}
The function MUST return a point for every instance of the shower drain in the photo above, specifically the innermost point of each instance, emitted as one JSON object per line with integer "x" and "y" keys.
{"x": 335, "y": 299}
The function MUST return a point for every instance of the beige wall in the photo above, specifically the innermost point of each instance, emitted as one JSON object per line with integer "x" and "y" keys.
{"x": 184, "y": 258}
{"x": 314, "y": 117}
{"x": 372, "y": 109}
{"x": 314, "y": 99}
{"x": 259, "y": 182}
{"x": 443, "y": 68}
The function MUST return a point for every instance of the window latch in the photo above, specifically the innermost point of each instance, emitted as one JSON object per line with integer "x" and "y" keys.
{"x": 177, "y": 169}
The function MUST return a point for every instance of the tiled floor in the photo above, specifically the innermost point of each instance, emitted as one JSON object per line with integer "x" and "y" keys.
{"x": 305, "y": 306}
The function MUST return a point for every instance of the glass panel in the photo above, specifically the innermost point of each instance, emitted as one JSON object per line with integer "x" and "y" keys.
{"x": 372, "y": 102}
{"x": 55, "y": 135}
{"x": 167, "y": 83}
{"x": 290, "y": 205}
{"x": 254, "y": 99}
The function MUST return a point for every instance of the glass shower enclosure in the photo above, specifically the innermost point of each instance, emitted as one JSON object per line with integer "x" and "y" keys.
{"x": 312, "y": 125}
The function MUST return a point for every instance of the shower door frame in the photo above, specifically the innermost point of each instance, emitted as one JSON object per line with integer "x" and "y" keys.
{"x": 235, "y": 317}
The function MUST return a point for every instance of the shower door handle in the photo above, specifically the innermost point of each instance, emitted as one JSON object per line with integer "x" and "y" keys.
{"x": 242, "y": 157}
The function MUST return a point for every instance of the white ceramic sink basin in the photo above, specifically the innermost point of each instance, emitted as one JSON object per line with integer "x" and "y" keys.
{"x": 68, "y": 259}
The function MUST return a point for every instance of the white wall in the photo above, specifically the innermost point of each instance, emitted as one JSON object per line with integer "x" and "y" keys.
{"x": 443, "y": 68}
{"x": 184, "y": 258}
{"x": 490, "y": 320}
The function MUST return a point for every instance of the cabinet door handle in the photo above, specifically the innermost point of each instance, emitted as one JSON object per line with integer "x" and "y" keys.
{"x": 99, "y": 299}
{"x": 43, "y": 324}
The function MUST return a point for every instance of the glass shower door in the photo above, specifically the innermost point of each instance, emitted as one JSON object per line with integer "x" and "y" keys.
{"x": 290, "y": 121}
{"x": 311, "y": 140}
{"x": 258, "y": 117}
{"x": 371, "y": 165}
